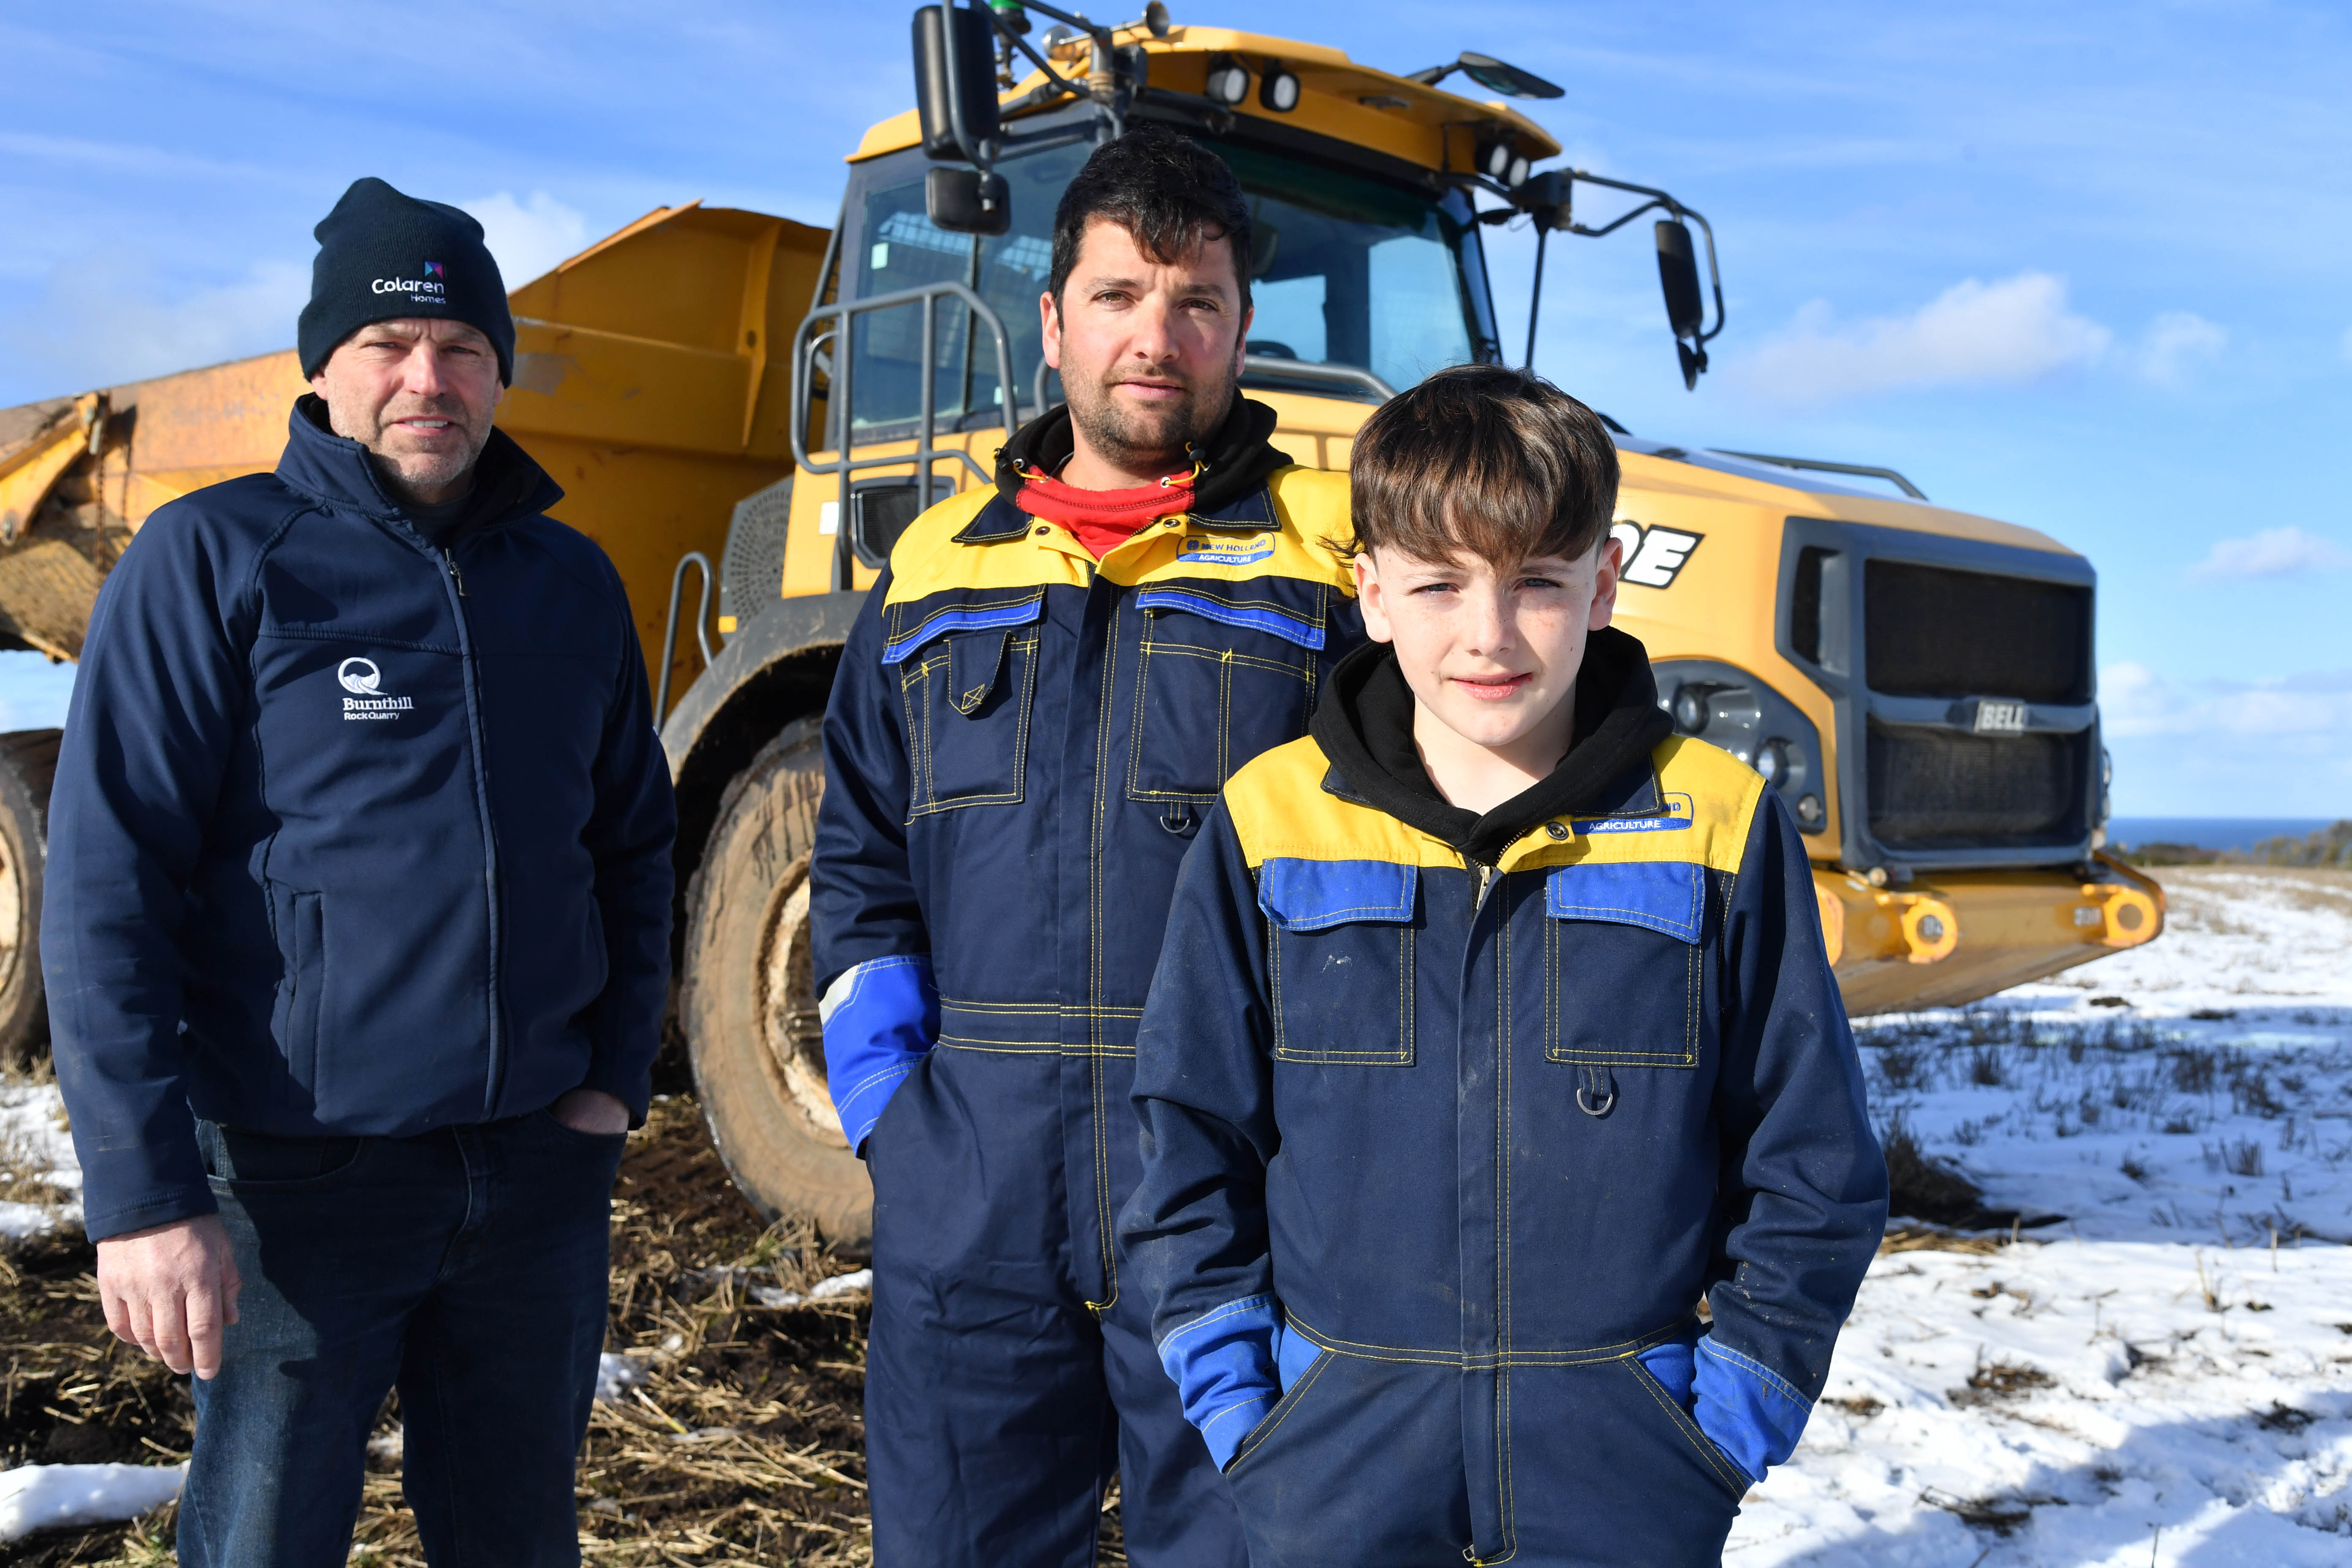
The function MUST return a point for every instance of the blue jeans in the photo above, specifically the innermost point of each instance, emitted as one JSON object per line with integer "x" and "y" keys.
{"x": 466, "y": 1266}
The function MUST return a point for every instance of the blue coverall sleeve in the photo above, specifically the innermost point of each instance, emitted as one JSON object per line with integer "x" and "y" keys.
{"x": 877, "y": 1001}
{"x": 162, "y": 690}
{"x": 1195, "y": 1231}
{"x": 1804, "y": 1184}
{"x": 629, "y": 834}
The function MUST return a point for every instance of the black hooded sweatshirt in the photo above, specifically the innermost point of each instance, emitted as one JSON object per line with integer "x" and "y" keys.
{"x": 1235, "y": 458}
{"x": 1364, "y": 724}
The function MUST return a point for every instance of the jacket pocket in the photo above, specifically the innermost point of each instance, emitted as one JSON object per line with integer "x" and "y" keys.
{"x": 1341, "y": 945}
{"x": 1219, "y": 678}
{"x": 1717, "y": 1464}
{"x": 967, "y": 679}
{"x": 304, "y": 940}
{"x": 1623, "y": 966}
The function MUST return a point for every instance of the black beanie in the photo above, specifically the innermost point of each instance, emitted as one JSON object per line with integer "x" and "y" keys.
{"x": 382, "y": 255}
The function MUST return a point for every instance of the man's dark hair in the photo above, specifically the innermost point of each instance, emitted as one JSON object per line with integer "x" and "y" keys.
{"x": 1164, "y": 188}
{"x": 1484, "y": 459}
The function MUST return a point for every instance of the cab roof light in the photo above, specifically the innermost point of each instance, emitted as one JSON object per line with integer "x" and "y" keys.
{"x": 1229, "y": 80}
{"x": 1279, "y": 89}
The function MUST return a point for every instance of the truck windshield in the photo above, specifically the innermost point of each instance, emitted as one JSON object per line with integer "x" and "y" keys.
{"x": 1349, "y": 271}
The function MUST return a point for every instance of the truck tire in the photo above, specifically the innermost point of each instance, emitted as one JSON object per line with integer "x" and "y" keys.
{"x": 28, "y": 761}
{"x": 748, "y": 1003}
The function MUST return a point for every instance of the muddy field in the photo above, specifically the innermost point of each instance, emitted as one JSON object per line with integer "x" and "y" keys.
{"x": 740, "y": 1443}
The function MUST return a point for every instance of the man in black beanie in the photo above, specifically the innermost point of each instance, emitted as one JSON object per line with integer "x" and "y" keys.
{"x": 358, "y": 926}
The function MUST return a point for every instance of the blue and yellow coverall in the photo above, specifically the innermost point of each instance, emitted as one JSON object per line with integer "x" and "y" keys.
{"x": 1022, "y": 744}
{"x": 1440, "y": 1157}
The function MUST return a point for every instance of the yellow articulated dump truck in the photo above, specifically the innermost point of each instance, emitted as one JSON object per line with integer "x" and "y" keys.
{"x": 772, "y": 403}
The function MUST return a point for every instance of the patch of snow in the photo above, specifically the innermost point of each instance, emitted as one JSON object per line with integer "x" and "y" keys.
{"x": 53, "y": 1496}
{"x": 34, "y": 1143}
{"x": 2166, "y": 1378}
{"x": 616, "y": 1375}
{"x": 823, "y": 1290}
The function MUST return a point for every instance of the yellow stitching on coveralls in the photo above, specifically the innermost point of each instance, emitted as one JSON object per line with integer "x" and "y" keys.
{"x": 1257, "y": 1436}
{"x": 910, "y": 682}
{"x": 1691, "y": 1433}
{"x": 1401, "y": 1056}
{"x": 1405, "y": 1355}
{"x": 1094, "y": 965}
{"x": 1503, "y": 1233}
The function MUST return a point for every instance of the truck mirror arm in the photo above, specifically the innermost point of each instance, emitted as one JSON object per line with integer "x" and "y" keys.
{"x": 1545, "y": 198}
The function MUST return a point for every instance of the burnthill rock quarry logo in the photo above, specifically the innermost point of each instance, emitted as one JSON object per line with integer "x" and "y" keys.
{"x": 360, "y": 678}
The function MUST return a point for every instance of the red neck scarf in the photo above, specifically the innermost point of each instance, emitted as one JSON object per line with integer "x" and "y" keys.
{"x": 1103, "y": 520}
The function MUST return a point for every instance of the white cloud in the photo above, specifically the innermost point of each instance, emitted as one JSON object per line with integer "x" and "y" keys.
{"x": 2173, "y": 343}
{"x": 529, "y": 238}
{"x": 2135, "y": 700}
{"x": 108, "y": 320}
{"x": 2001, "y": 333}
{"x": 2273, "y": 552}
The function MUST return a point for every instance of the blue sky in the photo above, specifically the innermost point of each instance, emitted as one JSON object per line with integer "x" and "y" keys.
{"x": 2077, "y": 266}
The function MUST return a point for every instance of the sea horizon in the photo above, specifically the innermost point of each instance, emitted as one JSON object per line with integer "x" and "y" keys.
{"x": 2211, "y": 832}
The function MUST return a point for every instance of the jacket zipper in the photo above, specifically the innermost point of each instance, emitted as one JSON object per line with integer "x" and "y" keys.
{"x": 495, "y": 1084}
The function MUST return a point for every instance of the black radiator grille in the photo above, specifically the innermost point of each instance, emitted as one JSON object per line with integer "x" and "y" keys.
{"x": 1945, "y": 789}
{"x": 1929, "y": 631}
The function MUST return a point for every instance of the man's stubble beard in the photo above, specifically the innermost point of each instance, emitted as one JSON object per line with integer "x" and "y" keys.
{"x": 1118, "y": 437}
{"x": 410, "y": 474}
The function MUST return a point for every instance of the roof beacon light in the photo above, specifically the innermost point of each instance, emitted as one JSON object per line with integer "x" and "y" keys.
{"x": 1278, "y": 89}
{"x": 1229, "y": 80}
{"x": 1493, "y": 75}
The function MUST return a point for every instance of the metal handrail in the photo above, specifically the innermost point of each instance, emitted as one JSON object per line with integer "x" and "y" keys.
{"x": 669, "y": 632}
{"x": 836, "y": 321}
{"x": 1817, "y": 466}
{"x": 1316, "y": 370}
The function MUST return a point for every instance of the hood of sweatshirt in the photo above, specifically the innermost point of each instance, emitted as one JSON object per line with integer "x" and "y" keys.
{"x": 1364, "y": 724}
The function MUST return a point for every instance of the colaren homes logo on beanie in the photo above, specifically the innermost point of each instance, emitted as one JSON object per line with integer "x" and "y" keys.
{"x": 372, "y": 266}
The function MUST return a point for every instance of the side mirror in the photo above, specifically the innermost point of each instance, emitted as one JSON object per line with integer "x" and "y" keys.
{"x": 967, "y": 201}
{"x": 1685, "y": 309}
{"x": 955, "y": 80}
{"x": 1678, "y": 277}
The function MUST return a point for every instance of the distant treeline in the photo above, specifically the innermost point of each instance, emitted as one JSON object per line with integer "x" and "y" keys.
{"x": 2328, "y": 846}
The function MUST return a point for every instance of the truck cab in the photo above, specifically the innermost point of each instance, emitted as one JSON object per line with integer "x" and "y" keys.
{"x": 1917, "y": 682}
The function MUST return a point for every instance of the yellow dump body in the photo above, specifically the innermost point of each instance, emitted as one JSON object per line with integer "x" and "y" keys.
{"x": 642, "y": 382}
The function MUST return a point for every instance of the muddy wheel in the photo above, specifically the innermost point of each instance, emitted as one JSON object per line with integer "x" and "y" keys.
{"x": 28, "y": 760}
{"x": 749, "y": 1001}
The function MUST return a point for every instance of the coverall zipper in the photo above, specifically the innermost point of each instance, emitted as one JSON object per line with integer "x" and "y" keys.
{"x": 495, "y": 1083}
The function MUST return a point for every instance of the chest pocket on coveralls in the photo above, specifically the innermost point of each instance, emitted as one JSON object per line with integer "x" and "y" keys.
{"x": 1219, "y": 678}
{"x": 1621, "y": 955}
{"x": 966, "y": 679}
{"x": 1339, "y": 959}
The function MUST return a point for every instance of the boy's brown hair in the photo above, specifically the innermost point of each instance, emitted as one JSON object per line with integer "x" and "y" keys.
{"x": 1487, "y": 459}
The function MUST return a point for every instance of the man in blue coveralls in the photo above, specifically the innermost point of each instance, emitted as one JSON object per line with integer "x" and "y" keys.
{"x": 1039, "y": 702}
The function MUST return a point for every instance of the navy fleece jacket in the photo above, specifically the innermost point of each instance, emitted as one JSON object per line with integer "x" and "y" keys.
{"x": 350, "y": 834}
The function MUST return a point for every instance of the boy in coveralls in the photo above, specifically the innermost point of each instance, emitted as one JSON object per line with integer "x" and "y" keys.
{"x": 1493, "y": 1035}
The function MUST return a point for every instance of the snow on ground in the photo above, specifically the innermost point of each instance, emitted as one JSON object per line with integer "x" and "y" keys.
{"x": 39, "y": 1177}
{"x": 51, "y": 1497}
{"x": 2165, "y": 1375}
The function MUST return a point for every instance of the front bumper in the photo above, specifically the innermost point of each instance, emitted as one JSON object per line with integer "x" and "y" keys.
{"x": 1950, "y": 937}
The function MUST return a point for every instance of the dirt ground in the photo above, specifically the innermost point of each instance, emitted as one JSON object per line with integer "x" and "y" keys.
{"x": 742, "y": 1443}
